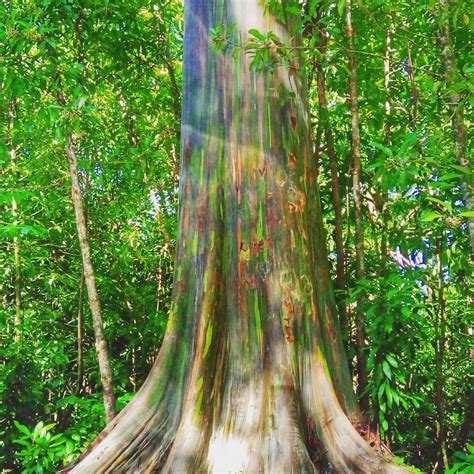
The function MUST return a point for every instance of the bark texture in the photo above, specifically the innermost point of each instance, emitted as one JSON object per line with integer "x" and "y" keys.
{"x": 89, "y": 278}
{"x": 251, "y": 376}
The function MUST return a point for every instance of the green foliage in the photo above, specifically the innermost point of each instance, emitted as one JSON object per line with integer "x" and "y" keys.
{"x": 41, "y": 450}
{"x": 121, "y": 87}
{"x": 463, "y": 462}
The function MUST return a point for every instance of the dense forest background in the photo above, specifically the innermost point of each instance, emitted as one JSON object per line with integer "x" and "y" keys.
{"x": 109, "y": 75}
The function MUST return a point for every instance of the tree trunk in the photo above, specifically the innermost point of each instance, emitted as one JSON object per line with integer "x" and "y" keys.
{"x": 440, "y": 349}
{"x": 251, "y": 371}
{"x": 382, "y": 198}
{"x": 18, "y": 321}
{"x": 359, "y": 220}
{"x": 340, "y": 281}
{"x": 89, "y": 277}
{"x": 382, "y": 213}
{"x": 456, "y": 109}
{"x": 80, "y": 335}
{"x": 414, "y": 90}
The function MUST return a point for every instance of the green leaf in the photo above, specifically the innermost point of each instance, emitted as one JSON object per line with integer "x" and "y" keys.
{"x": 292, "y": 10}
{"x": 466, "y": 214}
{"x": 22, "y": 428}
{"x": 462, "y": 169}
{"x": 341, "y": 6}
{"x": 19, "y": 195}
{"x": 396, "y": 398}
{"x": 383, "y": 148}
{"x": 381, "y": 391}
{"x": 21, "y": 441}
{"x": 388, "y": 391}
{"x": 257, "y": 34}
{"x": 446, "y": 205}
{"x": 387, "y": 370}
{"x": 12, "y": 230}
{"x": 429, "y": 216}
{"x": 38, "y": 429}
{"x": 449, "y": 176}
{"x": 49, "y": 426}
{"x": 391, "y": 360}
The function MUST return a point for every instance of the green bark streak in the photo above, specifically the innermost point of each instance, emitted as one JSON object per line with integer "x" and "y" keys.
{"x": 252, "y": 364}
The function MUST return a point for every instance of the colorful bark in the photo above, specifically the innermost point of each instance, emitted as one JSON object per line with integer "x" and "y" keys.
{"x": 246, "y": 376}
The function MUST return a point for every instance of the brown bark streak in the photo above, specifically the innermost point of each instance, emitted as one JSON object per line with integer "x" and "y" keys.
{"x": 251, "y": 370}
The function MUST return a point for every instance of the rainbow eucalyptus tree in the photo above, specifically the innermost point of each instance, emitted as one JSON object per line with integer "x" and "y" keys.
{"x": 251, "y": 376}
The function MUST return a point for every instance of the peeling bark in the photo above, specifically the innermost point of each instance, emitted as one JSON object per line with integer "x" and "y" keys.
{"x": 251, "y": 371}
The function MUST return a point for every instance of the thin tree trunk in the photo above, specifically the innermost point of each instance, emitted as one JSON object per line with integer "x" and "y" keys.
{"x": 456, "y": 108}
{"x": 18, "y": 302}
{"x": 440, "y": 345}
{"x": 80, "y": 305}
{"x": 80, "y": 335}
{"x": 165, "y": 56}
{"x": 387, "y": 77}
{"x": 175, "y": 88}
{"x": 340, "y": 281}
{"x": 383, "y": 197}
{"x": 89, "y": 277}
{"x": 318, "y": 148}
{"x": 414, "y": 89}
{"x": 359, "y": 220}
{"x": 18, "y": 321}
{"x": 81, "y": 224}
